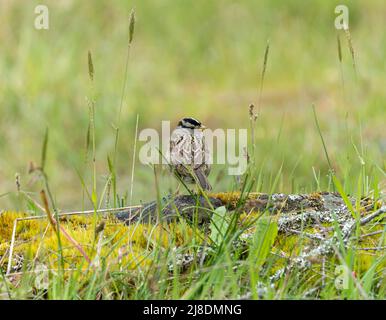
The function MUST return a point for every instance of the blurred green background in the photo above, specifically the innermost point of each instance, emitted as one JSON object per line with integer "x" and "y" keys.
{"x": 190, "y": 58}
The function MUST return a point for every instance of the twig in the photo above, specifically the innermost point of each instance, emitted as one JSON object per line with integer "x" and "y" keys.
{"x": 363, "y": 221}
{"x": 371, "y": 234}
{"x": 372, "y": 216}
{"x": 312, "y": 236}
{"x": 371, "y": 248}
{"x": 11, "y": 248}
{"x": 73, "y": 213}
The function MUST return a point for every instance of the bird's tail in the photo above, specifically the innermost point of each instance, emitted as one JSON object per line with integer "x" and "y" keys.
{"x": 203, "y": 180}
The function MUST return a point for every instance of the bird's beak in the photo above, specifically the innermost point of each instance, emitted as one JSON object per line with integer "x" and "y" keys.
{"x": 202, "y": 127}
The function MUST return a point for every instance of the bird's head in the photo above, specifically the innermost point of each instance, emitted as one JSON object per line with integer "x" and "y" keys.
{"x": 190, "y": 123}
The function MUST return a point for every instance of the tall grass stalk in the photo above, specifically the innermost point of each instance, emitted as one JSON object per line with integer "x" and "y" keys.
{"x": 133, "y": 161}
{"x": 340, "y": 57}
{"x": 48, "y": 189}
{"x": 5, "y": 284}
{"x": 91, "y": 105}
{"x": 351, "y": 48}
{"x": 331, "y": 169}
{"x": 117, "y": 127}
{"x": 252, "y": 114}
{"x": 265, "y": 62}
{"x": 54, "y": 224}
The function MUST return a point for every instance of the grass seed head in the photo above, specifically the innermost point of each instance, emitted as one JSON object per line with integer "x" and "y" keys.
{"x": 90, "y": 66}
{"x": 131, "y": 25}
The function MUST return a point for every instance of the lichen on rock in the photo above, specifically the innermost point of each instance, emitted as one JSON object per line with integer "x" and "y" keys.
{"x": 320, "y": 222}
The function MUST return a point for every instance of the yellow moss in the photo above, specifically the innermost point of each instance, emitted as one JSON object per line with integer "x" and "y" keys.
{"x": 290, "y": 244}
{"x": 248, "y": 217}
{"x": 7, "y": 219}
{"x": 231, "y": 198}
{"x": 315, "y": 196}
{"x": 227, "y": 198}
{"x": 364, "y": 262}
{"x": 127, "y": 246}
{"x": 315, "y": 199}
{"x": 378, "y": 203}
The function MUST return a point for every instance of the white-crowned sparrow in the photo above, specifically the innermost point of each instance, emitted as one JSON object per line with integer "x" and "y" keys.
{"x": 189, "y": 154}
